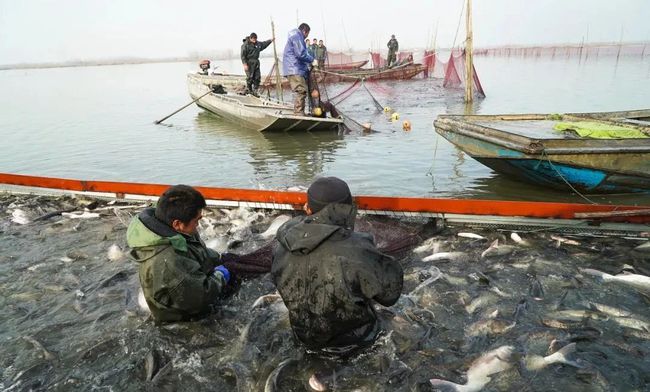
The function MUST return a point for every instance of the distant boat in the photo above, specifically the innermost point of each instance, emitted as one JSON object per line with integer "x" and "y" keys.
{"x": 345, "y": 66}
{"x": 254, "y": 113}
{"x": 526, "y": 147}
{"x": 402, "y": 72}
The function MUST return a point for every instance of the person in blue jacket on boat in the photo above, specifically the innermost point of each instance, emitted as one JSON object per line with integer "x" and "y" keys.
{"x": 295, "y": 65}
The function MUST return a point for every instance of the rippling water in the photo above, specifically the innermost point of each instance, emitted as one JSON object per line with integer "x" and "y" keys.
{"x": 97, "y": 123}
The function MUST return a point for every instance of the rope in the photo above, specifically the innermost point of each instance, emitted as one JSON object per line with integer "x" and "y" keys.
{"x": 433, "y": 163}
{"x": 460, "y": 18}
{"x": 544, "y": 155}
{"x": 379, "y": 106}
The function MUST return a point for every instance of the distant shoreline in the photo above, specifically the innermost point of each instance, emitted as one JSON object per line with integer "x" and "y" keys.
{"x": 135, "y": 61}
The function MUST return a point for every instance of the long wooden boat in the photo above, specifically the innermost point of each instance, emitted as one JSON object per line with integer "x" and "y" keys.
{"x": 526, "y": 147}
{"x": 576, "y": 216}
{"x": 345, "y": 66}
{"x": 255, "y": 113}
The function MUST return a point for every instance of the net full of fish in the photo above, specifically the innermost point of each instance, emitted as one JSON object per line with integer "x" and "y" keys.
{"x": 485, "y": 310}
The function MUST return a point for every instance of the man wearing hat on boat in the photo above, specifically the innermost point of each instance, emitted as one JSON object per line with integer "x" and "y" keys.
{"x": 295, "y": 65}
{"x": 180, "y": 277}
{"x": 328, "y": 275}
{"x": 393, "y": 47}
{"x": 250, "y": 58}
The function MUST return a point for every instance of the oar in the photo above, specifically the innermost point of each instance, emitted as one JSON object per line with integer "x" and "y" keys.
{"x": 165, "y": 118}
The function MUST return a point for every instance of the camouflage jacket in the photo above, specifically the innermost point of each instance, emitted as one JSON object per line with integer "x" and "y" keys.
{"x": 175, "y": 269}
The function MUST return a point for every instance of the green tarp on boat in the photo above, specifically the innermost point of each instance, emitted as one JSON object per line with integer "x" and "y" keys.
{"x": 596, "y": 130}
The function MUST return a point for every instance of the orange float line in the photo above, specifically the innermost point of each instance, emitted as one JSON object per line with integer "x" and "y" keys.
{"x": 377, "y": 203}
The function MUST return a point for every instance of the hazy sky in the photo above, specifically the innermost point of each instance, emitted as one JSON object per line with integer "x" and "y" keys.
{"x": 59, "y": 30}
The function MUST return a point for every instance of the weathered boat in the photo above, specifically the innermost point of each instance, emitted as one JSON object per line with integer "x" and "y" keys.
{"x": 345, "y": 66}
{"x": 252, "y": 112}
{"x": 404, "y": 72}
{"x": 526, "y": 147}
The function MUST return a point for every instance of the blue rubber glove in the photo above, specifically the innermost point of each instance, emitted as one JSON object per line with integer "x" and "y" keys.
{"x": 224, "y": 271}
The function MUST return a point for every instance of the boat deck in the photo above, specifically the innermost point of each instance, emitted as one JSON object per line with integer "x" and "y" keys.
{"x": 535, "y": 129}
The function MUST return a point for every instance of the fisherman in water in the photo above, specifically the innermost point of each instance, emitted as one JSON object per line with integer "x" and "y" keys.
{"x": 250, "y": 58}
{"x": 180, "y": 277}
{"x": 328, "y": 275}
{"x": 295, "y": 66}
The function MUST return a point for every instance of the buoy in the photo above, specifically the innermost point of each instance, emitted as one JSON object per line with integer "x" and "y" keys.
{"x": 406, "y": 125}
{"x": 387, "y": 109}
{"x": 318, "y": 112}
{"x": 394, "y": 117}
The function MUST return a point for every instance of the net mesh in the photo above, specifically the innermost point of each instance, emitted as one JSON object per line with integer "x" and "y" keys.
{"x": 568, "y": 51}
{"x": 455, "y": 73}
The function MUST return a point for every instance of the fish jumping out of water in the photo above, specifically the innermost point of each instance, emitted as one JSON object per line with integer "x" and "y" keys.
{"x": 639, "y": 282}
{"x": 472, "y": 236}
{"x": 274, "y": 226}
{"x": 478, "y": 375}
{"x": 497, "y": 250}
{"x": 537, "y": 362}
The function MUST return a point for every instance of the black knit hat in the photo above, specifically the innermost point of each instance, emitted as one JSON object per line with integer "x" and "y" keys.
{"x": 253, "y": 35}
{"x": 326, "y": 190}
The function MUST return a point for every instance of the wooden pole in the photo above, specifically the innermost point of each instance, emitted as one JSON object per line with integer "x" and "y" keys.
{"x": 278, "y": 79}
{"x": 469, "y": 76}
{"x": 165, "y": 118}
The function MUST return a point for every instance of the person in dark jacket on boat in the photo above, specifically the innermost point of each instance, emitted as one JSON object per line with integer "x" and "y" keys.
{"x": 295, "y": 66}
{"x": 328, "y": 275}
{"x": 393, "y": 47}
{"x": 180, "y": 277}
{"x": 250, "y": 58}
{"x": 321, "y": 54}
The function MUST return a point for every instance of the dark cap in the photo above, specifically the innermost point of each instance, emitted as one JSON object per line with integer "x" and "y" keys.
{"x": 253, "y": 35}
{"x": 326, "y": 190}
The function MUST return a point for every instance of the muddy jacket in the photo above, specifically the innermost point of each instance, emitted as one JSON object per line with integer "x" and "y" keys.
{"x": 321, "y": 53}
{"x": 328, "y": 276}
{"x": 175, "y": 269}
{"x": 251, "y": 51}
{"x": 296, "y": 58}
{"x": 393, "y": 45}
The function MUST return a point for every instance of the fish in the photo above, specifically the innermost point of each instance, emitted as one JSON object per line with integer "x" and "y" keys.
{"x": 497, "y": 250}
{"x": 536, "y": 290}
{"x": 518, "y": 240}
{"x": 274, "y": 226}
{"x": 142, "y": 302}
{"x": 48, "y": 356}
{"x": 609, "y": 310}
{"x": 266, "y": 299}
{"x": 219, "y": 244}
{"x": 643, "y": 247}
{"x": 428, "y": 245}
{"x": 472, "y": 236}
{"x": 115, "y": 253}
{"x": 271, "y": 384}
{"x": 315, "y": 384}
{"x": 636, "y": 281}
{"x": 489, "y": 326}
{"x": 561, "y": 240}
{"x": 83, "y": 215}
{"x": 435, "y": 275}
{"x": 19, "y": 216}
{"x": 537, "y": 362}
{"x": 446, "y": 256}
{"x": 481, "y": 370}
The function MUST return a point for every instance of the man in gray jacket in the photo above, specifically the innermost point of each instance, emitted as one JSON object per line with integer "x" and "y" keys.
{"x": 329, "y": 276}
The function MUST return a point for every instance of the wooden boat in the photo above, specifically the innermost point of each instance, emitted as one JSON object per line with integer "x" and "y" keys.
{"x": 403, "y": 72}
{"x": 526, "y": 147}
{"x": 346, "y": 66}
{"x": 255, "y": 113}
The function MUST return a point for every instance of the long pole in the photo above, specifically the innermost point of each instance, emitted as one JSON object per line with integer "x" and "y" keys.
{"x": 469, "y": 77}
{"x": 278, "y": 80}
{"x": 165, "y": 118}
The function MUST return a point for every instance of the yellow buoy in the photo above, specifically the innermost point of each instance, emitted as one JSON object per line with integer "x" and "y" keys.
{"x": 318, "y": 112}
{"x": 406, "y": 125}
{"x": 387, "y": 109}
{"x": 394, "y": 117}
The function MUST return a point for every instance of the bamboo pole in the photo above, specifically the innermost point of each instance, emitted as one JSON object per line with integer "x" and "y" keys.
{"x": 469, "y": 77}
{"x": 278, "y": 79}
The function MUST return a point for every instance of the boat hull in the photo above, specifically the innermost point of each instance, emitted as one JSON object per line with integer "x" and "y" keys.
{"x": 586, "y": 166}
{"x": 255, "y": 113}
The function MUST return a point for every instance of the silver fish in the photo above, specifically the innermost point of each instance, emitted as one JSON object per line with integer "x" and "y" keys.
{"x": 497, "y": 250}
{"x": 266, "y": 299}
{"x": 274, "y": 226}
{"x": 471, "y": 236}
{"x": 643, "y": 247}
{"x": 450, "y": 256}
{"x": 537, "y": 362}
{"x": 639, "y": 282}
{"x": 481, "y": 370}
{"x": 518, "y": 240}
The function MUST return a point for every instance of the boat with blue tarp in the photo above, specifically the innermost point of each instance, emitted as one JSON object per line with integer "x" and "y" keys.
{"x": 584, "y": 152}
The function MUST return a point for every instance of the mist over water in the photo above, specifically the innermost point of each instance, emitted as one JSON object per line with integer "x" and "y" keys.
{"x": 97, "y": 123}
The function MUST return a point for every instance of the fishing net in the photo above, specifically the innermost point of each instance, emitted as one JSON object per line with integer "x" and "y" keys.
{"x": 392, "y": 236}
{"x": 455, "y": 73}
{"x": 435, "y": 67}
{"x": 568, "y": 51}
{"x": 377, "y": 60}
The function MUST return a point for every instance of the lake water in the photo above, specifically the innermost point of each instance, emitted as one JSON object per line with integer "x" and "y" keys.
{"x": 97, "y": 123}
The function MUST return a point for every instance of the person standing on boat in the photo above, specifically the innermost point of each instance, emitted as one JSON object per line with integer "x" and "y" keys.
{"x": 328, "y": 275}
{"x": 321, "y": 54}
{"x": 295, "y": 66}
{"x": 250, "y": 58}
{"x": 312, "y": 47}
{"x": 180, "y": 277}
{"x": 393, "y": 47}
